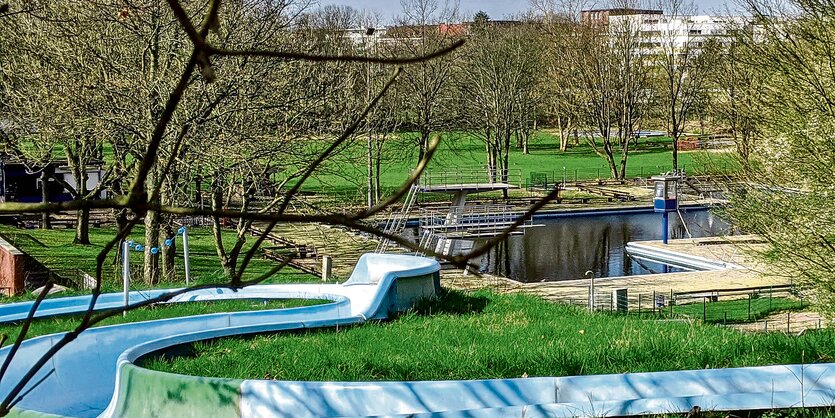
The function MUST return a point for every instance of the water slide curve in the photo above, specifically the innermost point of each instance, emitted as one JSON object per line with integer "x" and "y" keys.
{"x": 96, "y": 375}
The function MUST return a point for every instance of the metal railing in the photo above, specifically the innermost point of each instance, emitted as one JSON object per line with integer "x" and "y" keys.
{"x": 778, "y": 308}
{"x": 470, "y": 221}
{"x": 472, "y": 176}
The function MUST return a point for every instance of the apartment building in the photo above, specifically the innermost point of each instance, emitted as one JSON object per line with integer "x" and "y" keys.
{"x": 657, "y": 29}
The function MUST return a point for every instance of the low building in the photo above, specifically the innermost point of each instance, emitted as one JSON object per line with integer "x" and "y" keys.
{"x": 22, "y": 183}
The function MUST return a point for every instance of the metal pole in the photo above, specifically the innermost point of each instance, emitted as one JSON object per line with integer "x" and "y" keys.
{"x": 126, "y": 273}
{"x": 664, "y": 226}
{"x": 654, "y": 302}
{"x": 590, "y": 275}
{"x": 671, "y": 302}
{"x": 639, "y": 303}
{"x": 185, "y": 256}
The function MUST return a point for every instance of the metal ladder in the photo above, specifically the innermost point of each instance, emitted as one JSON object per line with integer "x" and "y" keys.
{"x": 427, "y": 240}
{"x": 397, "y": 222}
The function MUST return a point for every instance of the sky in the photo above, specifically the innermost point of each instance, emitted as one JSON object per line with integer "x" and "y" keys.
{"x": 496, "y": 9}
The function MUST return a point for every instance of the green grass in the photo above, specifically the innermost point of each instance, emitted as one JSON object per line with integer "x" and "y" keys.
{"x": 55, "y": 250}
{"x": 485, "y": 335}
{"x": 738, "y": 311}
{"x": 345, "y": 174}
{"x": 53, "y": 325}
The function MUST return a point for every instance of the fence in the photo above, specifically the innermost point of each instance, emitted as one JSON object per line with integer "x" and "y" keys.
{"x": 551, "y": 178}
{"x": 772, "y": 308}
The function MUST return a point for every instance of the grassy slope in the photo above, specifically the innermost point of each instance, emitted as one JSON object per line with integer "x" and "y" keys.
{"x": 55, "y": 250}
{"x": 66, "y": 323}
{"x": 460, "y": 151}
{"x": 491, "y": 336}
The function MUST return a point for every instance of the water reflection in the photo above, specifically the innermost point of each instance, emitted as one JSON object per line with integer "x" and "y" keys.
{"x": 565, "y": 248}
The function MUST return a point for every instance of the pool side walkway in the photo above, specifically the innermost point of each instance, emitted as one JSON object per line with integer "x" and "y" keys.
{"x": 346, "y": 248}
{"x": 734, "y": 250}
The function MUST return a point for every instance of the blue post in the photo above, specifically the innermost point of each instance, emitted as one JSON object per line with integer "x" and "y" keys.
{"x": 664, "y": 226}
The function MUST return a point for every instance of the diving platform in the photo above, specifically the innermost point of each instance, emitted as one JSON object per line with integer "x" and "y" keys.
{"x": 462, "y": 221}
{"x": 470, "y": 181}
{"x": 467, "y": 188}
{"x": 470, "y": 222}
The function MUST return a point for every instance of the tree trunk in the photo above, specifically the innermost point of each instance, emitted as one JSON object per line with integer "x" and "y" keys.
{"x": 229, "y": 268}
{"x": 563, "y": 134}
{"x": 150, "y": 271}
{"x": 623, "y": 157}
{"x": 169, "y": 253}
{"x": 82, "y": 227}
{"x": 505, "y": 156}
{"x": 675, "y": 150}
{"x": 377, "y": 165}
{"x": 424, "y": 144}
{"x": 121, "y": 219}
{"x": 370, "y": 172}
{"x": 45, "y": 217}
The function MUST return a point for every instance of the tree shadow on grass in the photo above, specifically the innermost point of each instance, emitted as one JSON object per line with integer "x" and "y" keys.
{"x": 451, "y": 302}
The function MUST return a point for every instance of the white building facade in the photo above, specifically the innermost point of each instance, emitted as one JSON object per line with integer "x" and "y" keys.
{"x": 657, "y": 30}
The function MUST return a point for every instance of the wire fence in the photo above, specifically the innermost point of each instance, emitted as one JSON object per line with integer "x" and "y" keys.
{"x": 774, "y": 308}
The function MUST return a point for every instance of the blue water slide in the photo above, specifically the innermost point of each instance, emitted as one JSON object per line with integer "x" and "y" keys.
{"x": 96, "y": 375}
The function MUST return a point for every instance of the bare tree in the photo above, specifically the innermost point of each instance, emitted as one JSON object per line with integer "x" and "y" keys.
{"x": 426, "y": 92}
{"x": 52, "y": 101}
{"x": 143, "y": 194}
{"x": 737, "y": 84}
{"x": 684, "y": 69}
{"x": 562, "y": 100}
{"x": 497, "y": 83}
{"x": 612, "y": 83}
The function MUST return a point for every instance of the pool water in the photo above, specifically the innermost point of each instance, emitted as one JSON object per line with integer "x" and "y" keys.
{"x": 565, "y": 248}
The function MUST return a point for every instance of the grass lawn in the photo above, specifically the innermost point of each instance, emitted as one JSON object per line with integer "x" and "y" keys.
{"x": 55, "y": 250}
{"x": 52, "y": 325}
{"x": 484, "y": 335}
{"x": 345, "y": 174}
{"x": 738, "y": 311}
